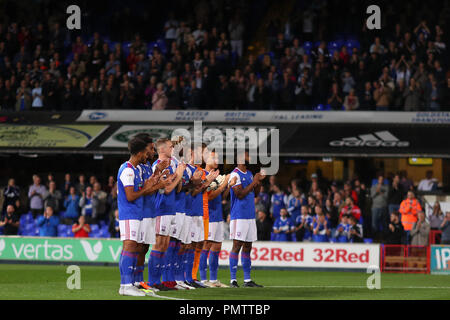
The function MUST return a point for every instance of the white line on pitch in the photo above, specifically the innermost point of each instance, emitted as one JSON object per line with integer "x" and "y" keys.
{"x": 356, "y": 287}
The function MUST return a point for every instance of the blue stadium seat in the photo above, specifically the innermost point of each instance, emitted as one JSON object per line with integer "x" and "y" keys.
{"x": 94, "y": 228}
{"x": 28, "y": 217}
{"x": 352, "y": 44}
{"x": 319, "y": 107}
{"x": 69, "y": 58}
{"x": 273, "y": 236}
{"x": 368, "y": 240}
{"x": 112, "y": 45}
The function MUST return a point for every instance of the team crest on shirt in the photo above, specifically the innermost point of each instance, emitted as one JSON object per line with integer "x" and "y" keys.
{"x": 133, "y": 233}
{"x": 174, "y": 230}
{"x": 163, "y": 228}
{"x": 238, "y": 234}
{"x": 192, "y": 234}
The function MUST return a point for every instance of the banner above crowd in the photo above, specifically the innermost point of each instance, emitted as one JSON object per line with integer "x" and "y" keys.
{"x": 264, "y": 116}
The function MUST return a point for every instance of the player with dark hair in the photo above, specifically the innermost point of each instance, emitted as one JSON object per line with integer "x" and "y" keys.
{"x": 130, "y": 201}
{"x": 242, "y": 215}
{"x": 149, "y": 214}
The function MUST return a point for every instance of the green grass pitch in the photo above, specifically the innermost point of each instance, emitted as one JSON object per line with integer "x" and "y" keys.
{"x": 48, "y": 282}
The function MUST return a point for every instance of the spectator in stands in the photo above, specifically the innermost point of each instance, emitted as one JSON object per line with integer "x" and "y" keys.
{"x": 110, "y": 185}
{"x": 331, "y": 213}
{"x": 356, "y": 230}
{"x": 342, "y": 230}
{"x": 48, "y": 223}
{"x": 36, "y": 194}
{"x": 278, "y": 202}
{"x": 263, "y": 226}
{"x": 405, "y": 182}
{"x": 379, "y": 194}
{"x": 420, "y": 231}
{"x": 321, "y": 232}
{"x": 283, "y": 226}
{"x": 295, "y": 204}
{"x": 101, "y": 200}
{"x": 409, "y": 208}
{"x": 71, "y": 203}
{"x": 80, "y": 187}
{"x": 23, "y": 97}
{"x": 113, "y": 228}
{"x": 10, "y": 222}
{"x": 53, "y": 197}
{"x": 382, "y": 96}
{"x": 437, "y": 217}
{"x": 429, "y": 183}
{"x": 335, "y": 99}
{"x": 36, "y": 95}
{"x": 303, "y": 225}
{"x": 81, "y": 229}
{"x": 65, "y": 188}
{"x": 351, "y": 101}
{"x": 396, "y": 194}
{"x": 159, "y": 99}
{"x": 395, "y": 232}
{"x": 445, "y": 228}
{"x": 350, "y": 192}
{"x": 11, "y": 194}
{"x": 236, "y": 30}
{"x": 88, "y": 204}
{"x": 351, "y": 209}
{"x": 366, "y": 100}
{"x": 412, "y": 96}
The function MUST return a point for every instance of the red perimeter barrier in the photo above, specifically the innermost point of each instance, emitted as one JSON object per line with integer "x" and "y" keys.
{"x": 405, "y": 259}
{"x": 435, "y": 237}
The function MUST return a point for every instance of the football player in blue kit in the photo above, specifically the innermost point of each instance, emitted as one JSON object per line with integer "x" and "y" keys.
{"x": 131, "y": 190}
{"x": 214, "y": 238}
{"x": 242, "y": 217}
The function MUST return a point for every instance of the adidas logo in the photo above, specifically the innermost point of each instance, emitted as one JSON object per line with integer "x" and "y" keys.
{"x": 378, "y": 139}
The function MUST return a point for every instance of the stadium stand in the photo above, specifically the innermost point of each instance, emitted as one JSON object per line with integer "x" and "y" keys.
{"x": 249, "y": 56}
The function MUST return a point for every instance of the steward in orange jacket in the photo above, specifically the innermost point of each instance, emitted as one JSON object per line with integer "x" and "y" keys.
{"x": 409, "y": 208}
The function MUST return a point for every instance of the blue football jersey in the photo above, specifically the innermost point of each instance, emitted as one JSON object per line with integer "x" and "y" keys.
{"x": 128, "y": 176}
{"x": 165, "y": 203}
{"x": 180, "y": 197}
{"x": 242, "y": 208}
{"x": 215, "y": 209}
{"x": 149, "y": 201}
{"x": 294, "y": 208}
{"x": 278, "y": 202}
{"x": 284, "y": 225}
{"x": 321, "y": 235}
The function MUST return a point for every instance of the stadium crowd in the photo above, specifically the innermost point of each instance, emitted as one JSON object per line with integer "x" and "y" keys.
{"x": 315, "y": 210}
{"x": 201, "y": 63}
